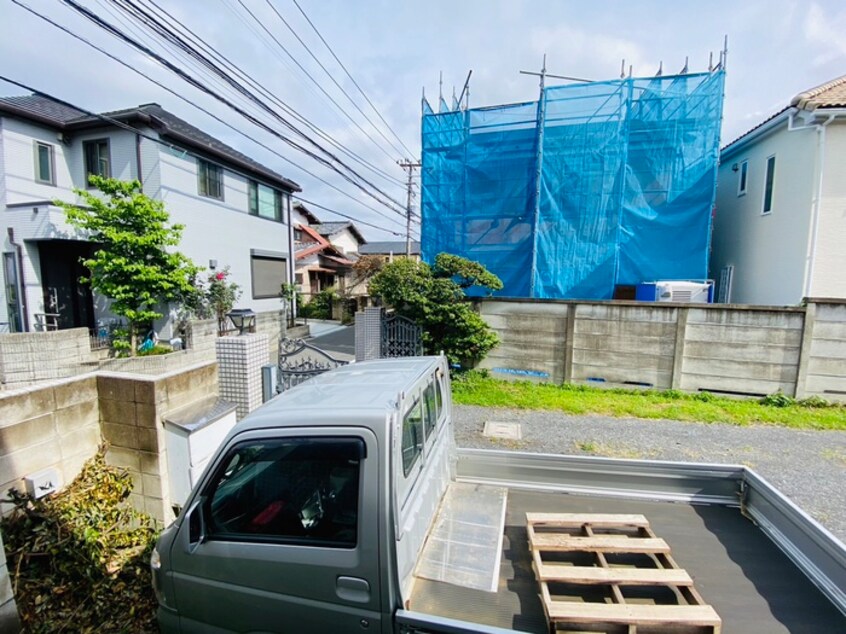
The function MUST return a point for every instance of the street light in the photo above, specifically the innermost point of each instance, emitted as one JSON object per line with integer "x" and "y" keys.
{"x": 244, "y": 319}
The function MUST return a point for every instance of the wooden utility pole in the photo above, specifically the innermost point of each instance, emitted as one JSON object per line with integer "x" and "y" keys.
{"x": 410, "y": 166}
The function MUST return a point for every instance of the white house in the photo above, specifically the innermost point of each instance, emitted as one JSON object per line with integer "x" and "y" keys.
{"x": 780, "y": 222}
{"x": 236, "y": 211}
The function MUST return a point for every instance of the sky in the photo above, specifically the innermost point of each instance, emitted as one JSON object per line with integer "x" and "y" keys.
{"x": 395, "y": 50}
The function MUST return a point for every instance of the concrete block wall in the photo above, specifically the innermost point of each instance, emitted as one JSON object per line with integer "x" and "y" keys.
{"x": 29, "y": 357}
{"x": 745, "y": 350}
{"x": 53, "y": 425}
{"x": 204, "y": 333}
{"x": 132, "y": 411}
{"x": 272, "y": 324}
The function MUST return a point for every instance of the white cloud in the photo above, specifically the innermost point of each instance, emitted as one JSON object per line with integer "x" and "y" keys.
{"x": 594, "y": 54}
{"x": 826, "y": 33}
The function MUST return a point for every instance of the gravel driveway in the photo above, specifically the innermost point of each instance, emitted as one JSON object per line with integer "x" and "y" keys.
{"x": 807, "y": 466}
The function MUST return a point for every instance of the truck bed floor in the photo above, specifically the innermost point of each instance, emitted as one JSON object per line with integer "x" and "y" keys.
{"x": 750, "y": 583}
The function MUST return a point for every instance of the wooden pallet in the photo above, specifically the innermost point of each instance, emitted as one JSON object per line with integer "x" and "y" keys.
{"x": 611, "y": 573}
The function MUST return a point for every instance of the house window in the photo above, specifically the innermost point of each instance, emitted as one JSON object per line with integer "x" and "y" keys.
{"x": 768, "y": 185}
{"x": 210, "y": 179}
{"x": 298, "y": 278}
{"x": 97, "y": 160}
{"x": 298, "y": 235}
{"x": 44, "y": 163}
{"x": 269, "y": 274}
{"x": 265, "y": 202}
{"x": 741, "y": 178}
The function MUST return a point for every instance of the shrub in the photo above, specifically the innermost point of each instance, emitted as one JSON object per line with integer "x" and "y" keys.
{"x": 779, "y": 399}
{"x": 79, "y": 558}
{"x": 320, "y": 305}
{"x": 434, "y": 298}
{"x": 705, "y": 397}
{"x": 814, "y": 401}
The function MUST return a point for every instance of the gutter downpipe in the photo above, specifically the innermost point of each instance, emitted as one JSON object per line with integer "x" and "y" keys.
{"x": 817, "y": 200}
{"x": 21, "y": 281}
{"x": 292, "y": 302}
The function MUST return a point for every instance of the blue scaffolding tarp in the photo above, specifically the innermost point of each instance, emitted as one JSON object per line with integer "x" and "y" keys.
{"x": 595, "y": 185}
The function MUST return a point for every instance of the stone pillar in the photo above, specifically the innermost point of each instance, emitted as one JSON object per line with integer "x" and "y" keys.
{"x": 239, "y": 362}
{"x": 368, "y": 334}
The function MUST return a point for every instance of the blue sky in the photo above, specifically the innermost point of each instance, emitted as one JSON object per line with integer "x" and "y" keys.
{"x": 395, "y": 49}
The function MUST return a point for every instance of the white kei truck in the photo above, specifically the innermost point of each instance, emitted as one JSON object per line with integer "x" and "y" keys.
{"x": 344, "y": 505}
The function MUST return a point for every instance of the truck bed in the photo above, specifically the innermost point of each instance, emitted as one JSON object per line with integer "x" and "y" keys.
{"x": 751, "y": 584}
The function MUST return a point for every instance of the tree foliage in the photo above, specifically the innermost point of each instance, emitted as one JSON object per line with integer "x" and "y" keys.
{"x": 434, "y": 298}
{"x": 132, "y": 264}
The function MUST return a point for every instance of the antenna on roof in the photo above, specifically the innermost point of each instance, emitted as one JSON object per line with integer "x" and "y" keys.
{"x": 660, "y": 69}
{"x": 684, "y": 70}
{"x": 725, "y": 51}
{"x": 630, "y": 71}
{"x": 710, "y": 61}
{"x": 623, "y": 69}
{"x": 441, "y": 85}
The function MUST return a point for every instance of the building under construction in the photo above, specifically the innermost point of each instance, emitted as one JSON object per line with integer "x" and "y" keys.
{"x": 595, "y": 185}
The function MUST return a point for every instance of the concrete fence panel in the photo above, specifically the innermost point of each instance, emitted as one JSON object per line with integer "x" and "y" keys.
{"x": 533, "y": 339}
{"x": 629, "y": 345}
{"x": 742, "y": 350}
{"x": 826, "y": 371}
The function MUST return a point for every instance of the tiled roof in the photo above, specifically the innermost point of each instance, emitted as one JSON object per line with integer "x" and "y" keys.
{"x": 331, "y": 228}
{"x": 168, "y": 125}
{"x": 831, "y": 94}
{"x": 385, "y": 248}
{"x": 44, "y": 109}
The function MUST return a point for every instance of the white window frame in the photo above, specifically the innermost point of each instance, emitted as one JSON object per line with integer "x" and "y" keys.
{"x": 52, "y": 179}
{"x": 743, "y": 178}
{"x": 764, "y": 210}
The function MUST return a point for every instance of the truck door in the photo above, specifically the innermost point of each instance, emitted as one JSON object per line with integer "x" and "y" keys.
{"x": 283, "y": 536}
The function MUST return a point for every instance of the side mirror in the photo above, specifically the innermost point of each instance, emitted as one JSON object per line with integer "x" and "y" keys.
{"x": 196, "y": 526}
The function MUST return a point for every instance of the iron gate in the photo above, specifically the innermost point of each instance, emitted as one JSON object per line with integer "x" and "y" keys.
{"x": 401, "y": 337}
{"x": 299, "y": 361}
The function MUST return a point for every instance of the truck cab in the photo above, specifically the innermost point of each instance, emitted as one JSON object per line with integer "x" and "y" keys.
{"x": 312, "y": 513}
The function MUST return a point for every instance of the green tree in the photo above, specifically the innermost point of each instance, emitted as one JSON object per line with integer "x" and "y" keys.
{"x": 132, "y": 264}
{"x": 434, "y": 298}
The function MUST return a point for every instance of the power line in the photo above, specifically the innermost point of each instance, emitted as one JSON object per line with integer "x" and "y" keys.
{"x": 329, "y": 159}
{"x": 196, "y": 40}
{"x": 316, "y": 83}
{"x": 352, "y": 79}
{"x": 334, "y": 81}
{"x": 201, "y": 109}
{"x": 124, "y": 126}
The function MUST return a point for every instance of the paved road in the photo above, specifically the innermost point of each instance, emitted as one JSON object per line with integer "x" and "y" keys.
{"x": 340, "y": 342}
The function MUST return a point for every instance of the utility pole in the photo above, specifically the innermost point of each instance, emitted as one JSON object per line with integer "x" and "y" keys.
{"x": 410, "y": 166}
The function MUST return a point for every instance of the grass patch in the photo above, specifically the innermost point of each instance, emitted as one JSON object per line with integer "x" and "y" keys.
{"x": 476, "y": 388}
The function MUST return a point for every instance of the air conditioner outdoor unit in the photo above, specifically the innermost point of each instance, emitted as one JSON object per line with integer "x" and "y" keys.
{"x": 684, "y": 292}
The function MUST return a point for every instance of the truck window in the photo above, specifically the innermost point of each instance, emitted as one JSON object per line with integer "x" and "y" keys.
{"x": 432, "y": 410}
{"x": 412, "y": 437}
{"x": 293, "y": 490}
